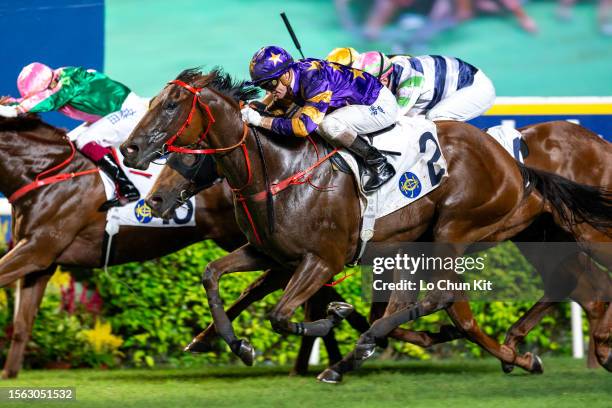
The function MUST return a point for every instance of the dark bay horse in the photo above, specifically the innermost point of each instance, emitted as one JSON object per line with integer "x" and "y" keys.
{"x": 315, "y": 232}
{"x": 61, "y": 225}
{"x": 558, "y": 147}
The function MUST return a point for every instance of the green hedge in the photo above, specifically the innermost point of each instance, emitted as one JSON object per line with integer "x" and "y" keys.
{"x": 155, "y": 308}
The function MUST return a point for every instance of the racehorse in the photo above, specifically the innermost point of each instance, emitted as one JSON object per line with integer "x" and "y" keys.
{"x": 482, "y": 200}
{"x": 558, "y": 147}
{"x": 61, "y": 225}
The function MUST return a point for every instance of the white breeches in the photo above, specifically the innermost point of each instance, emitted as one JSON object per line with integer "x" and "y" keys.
{"x": 114, "y": 128}
{"x": 344, "y": 124}
{"x": 466, "y": 103}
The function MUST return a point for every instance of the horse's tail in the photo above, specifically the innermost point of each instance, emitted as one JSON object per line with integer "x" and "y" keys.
{"x": 574, "y": 203}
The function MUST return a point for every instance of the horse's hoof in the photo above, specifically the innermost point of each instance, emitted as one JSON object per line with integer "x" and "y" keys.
{"x": 608, "y": 363}
{"x": 330, "y": 376}
{"x": 340, "y": 310}
{"x": 507, "y": 367}
{"x": 536, "y": 365}
{"x": 197, "y": 346}
{"x": 364, "y": 351}
{"x": 244, "y": 350}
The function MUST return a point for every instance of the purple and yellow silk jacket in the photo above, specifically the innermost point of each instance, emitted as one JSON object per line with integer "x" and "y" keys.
{"x": 319, "y": 86}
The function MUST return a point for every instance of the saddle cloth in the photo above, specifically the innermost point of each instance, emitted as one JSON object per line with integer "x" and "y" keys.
{"x": 510, "y": 139}
{"x": 139, "y": 213}
{"x": 419, "y": 170}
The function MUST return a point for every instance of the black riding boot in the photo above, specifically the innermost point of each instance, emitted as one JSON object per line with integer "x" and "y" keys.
{"x": 380, "y": 171}
{"x": 125, "y": 192}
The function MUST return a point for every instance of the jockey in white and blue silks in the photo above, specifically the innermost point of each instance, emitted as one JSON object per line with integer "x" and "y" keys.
{"x": 441, "y": 88}
{"x": 338, "y": 102}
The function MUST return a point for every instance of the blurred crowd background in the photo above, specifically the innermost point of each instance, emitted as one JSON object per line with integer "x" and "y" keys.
{"x": 564, "y": 51}
{"x": 417, "y": 22}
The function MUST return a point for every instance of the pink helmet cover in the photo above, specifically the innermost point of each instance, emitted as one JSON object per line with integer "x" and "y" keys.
{"x": 374, "y": 63}
{"x": 34, "y": 78}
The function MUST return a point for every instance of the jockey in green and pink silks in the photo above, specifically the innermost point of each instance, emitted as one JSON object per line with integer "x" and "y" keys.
{"x": 108, "y": 109}
{"x": 81, "y": 94}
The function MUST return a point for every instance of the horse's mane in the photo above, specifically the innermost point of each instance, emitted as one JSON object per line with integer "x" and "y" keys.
{"x": 220, "y": 81}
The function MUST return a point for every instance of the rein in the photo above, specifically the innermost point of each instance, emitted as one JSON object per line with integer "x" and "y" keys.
{"x": 44, "y": 181}
{"x": 269, "y": 196}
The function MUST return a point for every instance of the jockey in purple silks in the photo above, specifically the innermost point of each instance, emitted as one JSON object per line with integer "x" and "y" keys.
{"x": 338, "y": 102}
{"x": 108, "y": 109}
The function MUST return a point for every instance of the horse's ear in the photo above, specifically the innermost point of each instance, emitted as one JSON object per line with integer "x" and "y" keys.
{"x": 151, "y": 102}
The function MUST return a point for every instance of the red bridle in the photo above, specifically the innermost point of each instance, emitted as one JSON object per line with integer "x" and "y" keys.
{"x": 211, "y": 119}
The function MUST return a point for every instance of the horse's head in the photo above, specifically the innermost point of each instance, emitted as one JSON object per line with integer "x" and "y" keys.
{"x": 183, "y": 114}
{"x": 184, "y": 176}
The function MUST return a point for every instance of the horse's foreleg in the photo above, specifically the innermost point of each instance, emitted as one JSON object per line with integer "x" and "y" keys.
{"x": 28, "y": 255}
{"x": 309, "y": 277}
{"x": 29, "y": 293}
{"x": 265, "y": 284}
{"x": 314, "y": 309}
{"x": 245, "y": 258}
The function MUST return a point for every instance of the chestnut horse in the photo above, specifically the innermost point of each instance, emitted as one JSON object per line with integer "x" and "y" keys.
{"x": 580, "y": 155}
{"x": 567, "y": 145}
{"x": 61, "y": 225}
{"x": 316, "y": 233}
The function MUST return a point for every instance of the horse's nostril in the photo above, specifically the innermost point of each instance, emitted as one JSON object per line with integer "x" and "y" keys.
{"x": 131, "y": 149}
{"x": 155, "y": 201}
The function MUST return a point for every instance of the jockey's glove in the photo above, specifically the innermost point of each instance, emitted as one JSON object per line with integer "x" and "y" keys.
{"x": 251, "y": 116}
{"x": 8, "y": 111}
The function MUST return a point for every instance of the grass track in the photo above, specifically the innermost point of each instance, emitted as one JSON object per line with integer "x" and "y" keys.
{"x": 449, "y": 383}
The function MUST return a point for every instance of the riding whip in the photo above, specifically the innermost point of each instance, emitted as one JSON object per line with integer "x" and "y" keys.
{"x": 293, "y": 37}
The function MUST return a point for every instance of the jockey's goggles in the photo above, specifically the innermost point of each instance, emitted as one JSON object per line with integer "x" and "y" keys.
{"x": 269, "y": 85}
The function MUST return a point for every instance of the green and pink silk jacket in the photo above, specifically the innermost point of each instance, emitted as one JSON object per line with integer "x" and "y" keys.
{"x": 82, "y": 94}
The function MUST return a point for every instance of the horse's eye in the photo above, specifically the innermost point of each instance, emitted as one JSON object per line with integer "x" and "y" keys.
{"x": 170, "y": 106}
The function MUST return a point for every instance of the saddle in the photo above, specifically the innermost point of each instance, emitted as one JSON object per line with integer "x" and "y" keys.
{"x": 341, "y": 164}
